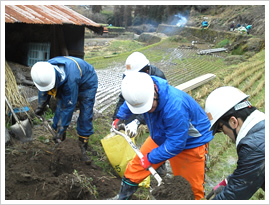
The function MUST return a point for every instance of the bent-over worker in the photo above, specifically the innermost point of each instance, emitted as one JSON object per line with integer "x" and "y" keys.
{"x": 230, "y": 112}
{"x": 135, "y": 62}
{"x": 179, "y": 132}
{"x": 70, "y": 80}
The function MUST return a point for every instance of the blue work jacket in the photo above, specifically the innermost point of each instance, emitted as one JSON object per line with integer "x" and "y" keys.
{"x": 178, "y": 123}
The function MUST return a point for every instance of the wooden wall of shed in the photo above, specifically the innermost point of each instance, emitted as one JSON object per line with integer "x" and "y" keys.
{"x": 74, "y": 36}
{"x": 64, "y": 40}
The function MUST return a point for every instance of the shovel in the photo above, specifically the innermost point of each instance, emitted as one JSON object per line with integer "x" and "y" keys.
{"x": 210, "y": 195}
{"x": 21, "y": 130}
{"x": 48, "y": 127}
{"x": 140, "y": 155}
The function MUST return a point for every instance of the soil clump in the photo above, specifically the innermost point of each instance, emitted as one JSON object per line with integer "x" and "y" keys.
{"x": 174, "y": 188}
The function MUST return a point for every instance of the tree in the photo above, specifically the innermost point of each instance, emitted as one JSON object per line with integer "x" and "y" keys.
{"x": 96, "y": 8}
{"x": 127, "y": 16}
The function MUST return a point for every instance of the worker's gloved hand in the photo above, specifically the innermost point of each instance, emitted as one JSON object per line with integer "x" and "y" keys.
{"x": 60, "y": 136}
{"x": 223, "y": 184}
{"x": 40, "y": 110}
{"x": 144, "y": 162}
{"x": 118, "y": 124}
{"x": 217, "y": 189}
{"x": 131, "y": 128}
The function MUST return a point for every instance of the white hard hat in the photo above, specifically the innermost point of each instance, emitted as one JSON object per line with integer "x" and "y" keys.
{"x": 43, "y": 75}
{"x": 221, "y": 100}
{"x": 138, "y": 90}
{"x": 135, "y": 62}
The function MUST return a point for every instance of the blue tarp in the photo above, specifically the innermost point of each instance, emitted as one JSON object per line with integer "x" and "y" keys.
{"x": 17, "y": 110}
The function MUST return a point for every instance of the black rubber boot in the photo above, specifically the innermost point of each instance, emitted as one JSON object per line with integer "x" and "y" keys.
{"x": 83, "y": 144}
{"x": 128, "y": 188}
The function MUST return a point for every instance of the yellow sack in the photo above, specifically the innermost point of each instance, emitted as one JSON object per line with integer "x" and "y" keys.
{"x": 119, "y": 154}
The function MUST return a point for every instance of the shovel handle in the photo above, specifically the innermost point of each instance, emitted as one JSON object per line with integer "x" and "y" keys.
{"x": 210, "y": 195}
{"x": 46, "y": 124}
{"x": 140, "y": 155}
{"x": 12, "y": 111}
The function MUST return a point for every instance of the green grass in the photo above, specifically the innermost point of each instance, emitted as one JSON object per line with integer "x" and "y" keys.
{"x": 99, "y": 62}
{"x": 223, "y": 43}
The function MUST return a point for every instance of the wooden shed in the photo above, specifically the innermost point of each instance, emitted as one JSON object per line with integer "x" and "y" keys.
{"x": 40, "y": 32}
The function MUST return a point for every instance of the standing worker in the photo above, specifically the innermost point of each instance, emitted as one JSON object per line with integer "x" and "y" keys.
{"x": 179, "y": 132}
{"x": 230, "y": 112}
{"x": 232, "y": 26}
{"x": 248, "y": 28}
{"x": 70, "y": 80}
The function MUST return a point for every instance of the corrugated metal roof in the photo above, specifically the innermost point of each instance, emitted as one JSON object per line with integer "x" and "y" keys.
{"x": 47, "y": 14}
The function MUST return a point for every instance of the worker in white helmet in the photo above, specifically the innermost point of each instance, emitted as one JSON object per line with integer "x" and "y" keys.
{"x": 230, "y": 112}
{"x": 179, "y": 132}
{"x": 136, "y": 62}
{"x": 70, "y": 80}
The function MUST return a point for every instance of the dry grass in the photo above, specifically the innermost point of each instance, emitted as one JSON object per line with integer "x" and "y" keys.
{"x": 15, "y": 98}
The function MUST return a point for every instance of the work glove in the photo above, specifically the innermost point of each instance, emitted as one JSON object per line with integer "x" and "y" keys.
{"x": 217, "y": 189}
{"x": 40, "y": 110}
{"x": 222, "y": 184}
{"x": 144, "y": 162}
{"x": 118, "y": 124}
{"x": 59, "y": 137}
{"x": 131, "y": 128}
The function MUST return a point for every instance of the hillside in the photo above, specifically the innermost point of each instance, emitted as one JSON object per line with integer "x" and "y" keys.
{"x": 221, "y": 17}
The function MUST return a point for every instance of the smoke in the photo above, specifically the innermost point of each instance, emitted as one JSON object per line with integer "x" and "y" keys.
{"x": 181, "y": 22}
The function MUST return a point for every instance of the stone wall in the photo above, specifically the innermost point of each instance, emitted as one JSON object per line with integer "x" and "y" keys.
{"x": 208, "y": 35}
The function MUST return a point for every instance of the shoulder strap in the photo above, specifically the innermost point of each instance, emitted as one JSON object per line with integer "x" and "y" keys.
{"x": 76, "y": 63}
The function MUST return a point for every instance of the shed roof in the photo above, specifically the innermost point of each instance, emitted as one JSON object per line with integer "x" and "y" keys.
{"x": 48, "y": 14}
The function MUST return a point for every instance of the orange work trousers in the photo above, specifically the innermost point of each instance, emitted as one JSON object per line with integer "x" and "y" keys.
{"x": 190, "y": 164}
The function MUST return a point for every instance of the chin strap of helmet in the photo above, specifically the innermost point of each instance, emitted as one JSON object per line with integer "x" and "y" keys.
{"x": 156, "y": 96}
{"x": 228, "y": 125}
{"x": 239, "y": 106}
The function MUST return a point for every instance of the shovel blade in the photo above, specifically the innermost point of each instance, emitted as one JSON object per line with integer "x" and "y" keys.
{"x": 22, "y": 131}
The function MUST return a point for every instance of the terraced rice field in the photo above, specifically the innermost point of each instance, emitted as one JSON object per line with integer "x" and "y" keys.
{"x": 178, "y": 64}
{"x": 250, "y": 78}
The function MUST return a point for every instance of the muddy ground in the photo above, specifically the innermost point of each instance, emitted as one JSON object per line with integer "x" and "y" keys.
{"x": 40, "y": 170}
{"x": 36, "y": 172}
